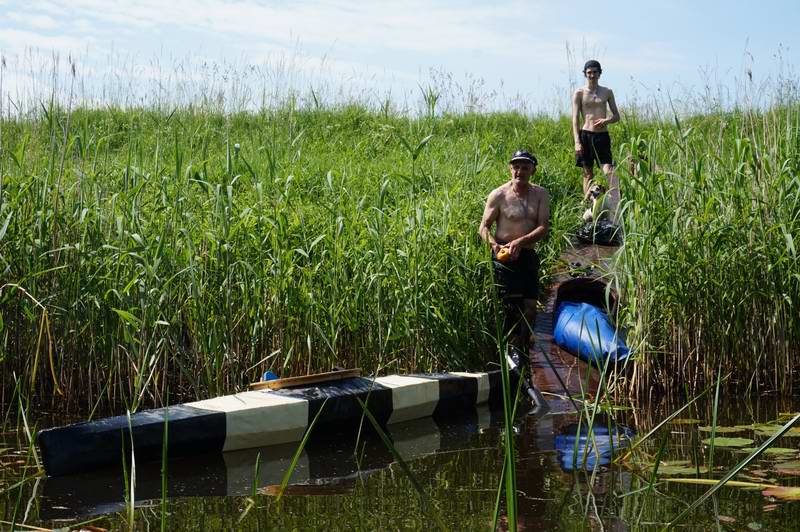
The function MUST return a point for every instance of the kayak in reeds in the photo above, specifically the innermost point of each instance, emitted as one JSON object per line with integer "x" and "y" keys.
{"x": 263, "y": 417}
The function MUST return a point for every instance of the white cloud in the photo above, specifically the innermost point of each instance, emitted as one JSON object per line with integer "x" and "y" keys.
{"x": 34, "y": 21}
{"x": 414, "y": 25}
{"x": 17, "y": 41}
{"x": 372, "y": 46}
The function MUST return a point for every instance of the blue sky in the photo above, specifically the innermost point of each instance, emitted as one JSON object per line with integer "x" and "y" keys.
{"x": 503, "y": 52}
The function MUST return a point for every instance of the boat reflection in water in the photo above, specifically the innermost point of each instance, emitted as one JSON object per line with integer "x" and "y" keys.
{"x": 326, "y": 466}
{"x": 580, "y": 446}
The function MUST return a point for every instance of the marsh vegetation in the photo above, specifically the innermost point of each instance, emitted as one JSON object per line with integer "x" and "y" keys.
{"x": 162, "y": 253}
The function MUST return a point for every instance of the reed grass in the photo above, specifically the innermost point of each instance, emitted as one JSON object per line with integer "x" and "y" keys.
{"x": 710, "y": 265}
{"x": 164, "y": 262}
{"x": 141, "y": 251}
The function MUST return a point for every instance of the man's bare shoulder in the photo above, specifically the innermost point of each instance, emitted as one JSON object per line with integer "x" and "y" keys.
{"x": 578, "y": 93}
{"x": 603, "y": 92}
{"x": 498, "y": 193}
{"x": 539, "y": 190}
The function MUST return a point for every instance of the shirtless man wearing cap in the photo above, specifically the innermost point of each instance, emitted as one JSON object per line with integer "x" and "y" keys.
{"x": 592, "y": 142}
{"x": 520, "y": 211}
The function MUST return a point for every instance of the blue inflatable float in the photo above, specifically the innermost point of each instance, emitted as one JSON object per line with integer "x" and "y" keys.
{"x": 586, "y": 331}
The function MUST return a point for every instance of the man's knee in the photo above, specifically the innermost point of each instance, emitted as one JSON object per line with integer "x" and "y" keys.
{"x": 514, "y": 308}
{"x": 529, "y": 311}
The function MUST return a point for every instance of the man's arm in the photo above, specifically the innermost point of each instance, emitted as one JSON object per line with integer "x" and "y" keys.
{"x": 612, "y": 104}
{"x": 490, "y": 213}
{"x": 577, "y": 98}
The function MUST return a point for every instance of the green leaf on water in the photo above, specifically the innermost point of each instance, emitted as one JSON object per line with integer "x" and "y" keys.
{"x": 684, "y": 421}
{"x": 674, "y": 467}
{"x": 769, "y": 430}
{"x": 783, "y": 492}
{"x": 763, "y": 429}
{"x": 773, "y": 451}
{"x": 729, "y": 442}
{"x": 789, "y": 468}
{"x": 687, "y": 469}
{"x": 720, "y": 429}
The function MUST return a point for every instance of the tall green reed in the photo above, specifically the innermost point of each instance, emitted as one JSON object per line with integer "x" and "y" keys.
{"x": 709, "y": 267}
{"x": 342, "y": 235}
{"x": 175, "y": 270}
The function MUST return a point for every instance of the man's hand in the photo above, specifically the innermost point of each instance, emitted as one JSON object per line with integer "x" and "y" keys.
{"x": 495, "y": 247}
{"x": 513, "y": 250}
{"x": 600, "y": 122}
{"x": 578, "y": 149}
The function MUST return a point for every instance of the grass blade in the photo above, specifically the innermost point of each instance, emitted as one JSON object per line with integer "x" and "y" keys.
{"x": 299, "y": 452}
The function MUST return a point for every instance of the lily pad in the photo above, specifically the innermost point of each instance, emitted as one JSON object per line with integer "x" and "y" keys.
{"x": 769, "y": 430}
{"x": 720, "y": 429}
{"x": 789, "y": 468}
{"x": 773, "y": 451}
{"x": 684, "y": 421}
{"x": 758, "y": 479}
{"x": 729, "y": 442}
{"x": 681, "y": 469}
{"x": 766, "y": 430}
{"x": 783, "y": 492}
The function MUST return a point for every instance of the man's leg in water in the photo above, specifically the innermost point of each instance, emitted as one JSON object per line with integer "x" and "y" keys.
{"x": 528, "y": 322}
{"x": 519, "y": 321}
{"x": 521, "y": 317}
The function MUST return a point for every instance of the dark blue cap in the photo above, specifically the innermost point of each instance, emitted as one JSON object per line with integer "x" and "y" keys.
{"x": 592, "y": 63}
{"x": 522, "y": 155}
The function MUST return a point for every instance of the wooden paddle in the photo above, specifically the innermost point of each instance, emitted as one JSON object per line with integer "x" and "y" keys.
{"x": 277, "y": 384}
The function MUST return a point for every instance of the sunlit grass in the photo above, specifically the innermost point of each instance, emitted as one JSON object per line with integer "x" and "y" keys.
{"x": 141, "y": 250}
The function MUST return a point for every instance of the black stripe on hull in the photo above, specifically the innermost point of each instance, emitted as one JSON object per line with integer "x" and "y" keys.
{"x": 84, "y": 446}
{"x": 342, "y": 411}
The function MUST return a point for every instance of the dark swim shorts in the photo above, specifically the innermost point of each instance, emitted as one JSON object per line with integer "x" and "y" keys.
{"x": 596, "y": 147}
{"x": 517, "y": 279}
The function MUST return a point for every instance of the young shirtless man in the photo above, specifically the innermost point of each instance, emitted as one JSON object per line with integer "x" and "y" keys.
{"x": 592, "y": 143}
{"x": 520, "y": 212}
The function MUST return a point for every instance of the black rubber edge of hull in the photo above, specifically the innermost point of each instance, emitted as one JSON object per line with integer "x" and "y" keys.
{"x": 89, "y": 445}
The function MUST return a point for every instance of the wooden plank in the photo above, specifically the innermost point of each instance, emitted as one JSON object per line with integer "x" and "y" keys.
{"x": 277, "y": 384}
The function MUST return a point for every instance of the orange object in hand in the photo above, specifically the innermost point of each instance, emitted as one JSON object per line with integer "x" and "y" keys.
{"x": 503, "y": 255}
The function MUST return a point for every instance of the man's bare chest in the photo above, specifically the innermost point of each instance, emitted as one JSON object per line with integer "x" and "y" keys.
{"x": 594, "y": 100}
{"x": 518, "y": 209}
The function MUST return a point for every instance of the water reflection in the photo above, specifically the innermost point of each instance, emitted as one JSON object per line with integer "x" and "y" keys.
{"x": 565, "y": 480}
{"x": 326, "y": 467}
{"x": 581, "y": 446}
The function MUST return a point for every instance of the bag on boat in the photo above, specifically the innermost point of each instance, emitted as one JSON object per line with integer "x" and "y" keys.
{"x": 603, "y": 232}
{"x": 586, "y": 331}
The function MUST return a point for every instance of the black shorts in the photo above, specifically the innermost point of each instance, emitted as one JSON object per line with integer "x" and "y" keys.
{"x": 596, "y": 147}
{"x": 517, "y": 279}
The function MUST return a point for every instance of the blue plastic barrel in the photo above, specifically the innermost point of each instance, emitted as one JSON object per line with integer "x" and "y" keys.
{"x": 586, "y": 331}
